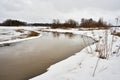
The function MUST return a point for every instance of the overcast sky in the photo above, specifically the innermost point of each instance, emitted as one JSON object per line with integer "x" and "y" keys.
{"x": 46, "y": 10}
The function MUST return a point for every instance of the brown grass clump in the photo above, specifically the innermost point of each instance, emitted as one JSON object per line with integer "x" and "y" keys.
{"x": 117, "y": 34}
{"x": 20, "y": 30}
{"x": 32, "y": 33}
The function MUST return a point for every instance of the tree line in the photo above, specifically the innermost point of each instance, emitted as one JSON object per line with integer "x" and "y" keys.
{"x": 70, "y": 23}
{"x": 10, "y": 22}
{"x": 85, "y": 23}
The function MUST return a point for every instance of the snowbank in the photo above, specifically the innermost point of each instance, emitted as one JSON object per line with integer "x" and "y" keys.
{"x": 16, "y": 34}
{"x": 85, "y": 65}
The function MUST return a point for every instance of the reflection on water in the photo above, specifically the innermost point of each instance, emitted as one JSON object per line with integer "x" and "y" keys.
{"x": 70, "y": 35}
{"x": 66, "y": 34}
{"x": 55, "y": 34}
{"x": 31, "y": 58}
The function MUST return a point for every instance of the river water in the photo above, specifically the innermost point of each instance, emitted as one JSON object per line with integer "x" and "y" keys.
{"x": 27, "y": 59}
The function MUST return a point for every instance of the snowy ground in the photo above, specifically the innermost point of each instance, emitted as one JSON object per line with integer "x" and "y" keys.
{"x": 17, "y": 34}
{"x": 86, "y": 64}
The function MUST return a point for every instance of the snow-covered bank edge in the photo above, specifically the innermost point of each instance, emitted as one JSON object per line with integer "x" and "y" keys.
{"x": 16, "y": 32}
{"x": 19, "y": 40}
{"x": 81, "y": 66}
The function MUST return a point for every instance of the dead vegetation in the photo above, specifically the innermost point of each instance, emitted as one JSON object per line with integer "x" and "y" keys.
{"x": 32, "y": 33}
{"x": 20, "y": 30}
{"x": 26, "y": 35}
{"x": 104, "y": 48}
{"x": 85, "y": 23}
{"x": 117, "y": 34}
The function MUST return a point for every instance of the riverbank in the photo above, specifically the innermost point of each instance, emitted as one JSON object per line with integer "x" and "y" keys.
{"x": 99, "y": 61}
{"x": 88, "y": 64}
{"x": 30, "y": 58}
{"x": 10, "y": 35}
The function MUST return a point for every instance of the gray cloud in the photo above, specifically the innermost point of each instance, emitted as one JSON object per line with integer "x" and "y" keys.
{"x": 46, "y": 10}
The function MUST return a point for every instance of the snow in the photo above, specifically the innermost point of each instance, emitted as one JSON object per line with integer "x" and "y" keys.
{"x": 18, "y": 40}
{"x": 81, "y": 66}
{"x": 10, "y": 35}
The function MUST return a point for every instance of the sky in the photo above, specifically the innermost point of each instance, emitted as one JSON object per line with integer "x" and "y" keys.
{"x": 47, "y": 10}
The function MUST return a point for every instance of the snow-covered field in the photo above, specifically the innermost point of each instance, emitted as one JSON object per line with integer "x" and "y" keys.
{"x": 16, "y": 34}
{"x": 100, "y": 61}
{"x": 89, "y": 64}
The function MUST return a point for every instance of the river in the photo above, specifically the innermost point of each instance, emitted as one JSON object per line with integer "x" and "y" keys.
{"x": 27, "y": 59}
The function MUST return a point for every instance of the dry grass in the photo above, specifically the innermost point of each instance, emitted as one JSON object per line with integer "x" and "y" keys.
{"x": 32, "y": 33}
{"x": 117, "y": 34}
{"x": 91, "y": 29}
{"x": 103, "y": 47}
{"x": 114, "y": 32}
{"x": 20, "y": 30}
{"x": 29, "y": 34}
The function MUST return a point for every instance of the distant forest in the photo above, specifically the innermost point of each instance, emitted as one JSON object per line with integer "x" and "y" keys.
{"x": 10, "y": 22}
{"x": 85, "y": 23}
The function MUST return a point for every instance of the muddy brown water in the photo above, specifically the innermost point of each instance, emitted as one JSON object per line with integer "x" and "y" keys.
{"x": 28, "y": 59}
